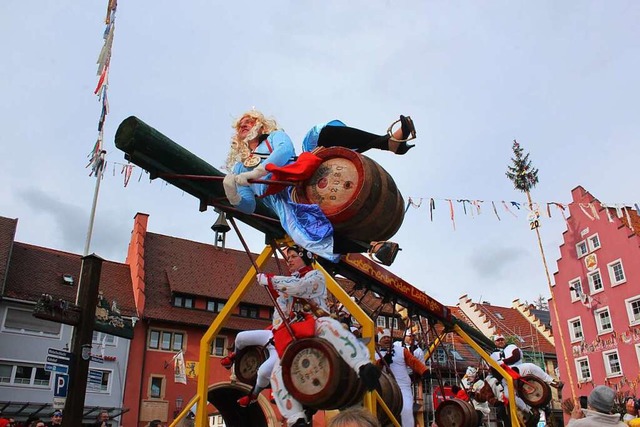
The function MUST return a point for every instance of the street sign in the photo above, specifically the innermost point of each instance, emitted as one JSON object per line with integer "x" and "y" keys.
{"x": 58, "y": 402}
{"x": 56, "y": 368}
{"x": 97, "y": 359}
{"x": 58, "y": 360}
{"x": 95, "y": 377}
{"x": 60, "y": 385}
{"x": 60, "y": 353}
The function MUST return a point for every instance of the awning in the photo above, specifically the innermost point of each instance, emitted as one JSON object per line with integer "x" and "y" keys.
{"x": 22, "y": 410}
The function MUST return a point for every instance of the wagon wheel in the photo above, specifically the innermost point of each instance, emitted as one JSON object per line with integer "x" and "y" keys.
{"x": 533, "y": 391}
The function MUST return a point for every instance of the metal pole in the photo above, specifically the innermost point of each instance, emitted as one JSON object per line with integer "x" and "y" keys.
{"x": 92, "y": 216}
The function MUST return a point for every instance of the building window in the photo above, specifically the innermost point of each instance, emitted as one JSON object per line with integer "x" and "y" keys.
{"x": 633, "y": 309}
{"x": 575, "y": 287}
{"x": 165, "y": 340}
{"x": 595, "y": 281}
{"x": 98, "y": 381}
{"x": 24, "y": 375}
{"x": 603, "y": 320}
{"x": 583, "y": 369}
{"x": 575, "y": 329}
{"x": 594, "y": 242}
{"x": 381, "y": 322}
{"x": 249, "y": 311}
{"x": 616, "y": 273}
{"x": 183, "y": 301}
{"x": 19, "y": 320}
{"x": 581, "y": 249}
{"x": 156, "y": 387}
{"x": 215, "y": 306}
{"x": 612, "y": 363}
{"x": 100, "y": 337}
{"x": 218, "y": 347}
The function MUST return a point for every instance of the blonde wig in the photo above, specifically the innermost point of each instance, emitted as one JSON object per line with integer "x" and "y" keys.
{"x": 239, "y": 149}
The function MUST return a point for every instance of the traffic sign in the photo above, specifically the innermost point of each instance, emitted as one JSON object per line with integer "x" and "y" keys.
{"x": 58, "y": 402}
{"x": 58, "y": 360}
{"x": 60, "y": 385}
{"x": 60, "y": 353}
{"x": 56, "y": 368}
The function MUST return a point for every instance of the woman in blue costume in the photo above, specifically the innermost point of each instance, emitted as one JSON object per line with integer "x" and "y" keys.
{"x": 257, "y": 142}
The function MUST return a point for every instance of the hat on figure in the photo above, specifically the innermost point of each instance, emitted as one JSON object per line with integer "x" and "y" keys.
{"x": 498, "y": 337}
{"x": 384, "y": 333}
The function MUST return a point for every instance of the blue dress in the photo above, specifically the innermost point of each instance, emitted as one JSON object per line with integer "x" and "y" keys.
{"x": 305, "y": 224}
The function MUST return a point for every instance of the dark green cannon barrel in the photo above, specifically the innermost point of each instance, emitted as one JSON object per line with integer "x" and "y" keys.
{"x": 159, "y": 155}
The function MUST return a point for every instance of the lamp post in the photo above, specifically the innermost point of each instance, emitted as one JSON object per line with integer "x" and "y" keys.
{"x": 179, "y": 402}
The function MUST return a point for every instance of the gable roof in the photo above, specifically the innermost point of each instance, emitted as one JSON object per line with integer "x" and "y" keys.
{"x": 175, "y": 265}
{"x": 34, "y": 270}
{"x": 510, "y": 322}
{"x": 7, "y": 234}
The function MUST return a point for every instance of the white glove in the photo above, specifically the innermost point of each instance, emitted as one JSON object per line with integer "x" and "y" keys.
{"x": 244, "y": 177}
{"x": 262, "y": 279}
{"x": 230, "y": 189}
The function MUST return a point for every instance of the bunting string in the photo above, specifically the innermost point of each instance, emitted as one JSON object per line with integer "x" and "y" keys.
{"x": 97, "y": 162}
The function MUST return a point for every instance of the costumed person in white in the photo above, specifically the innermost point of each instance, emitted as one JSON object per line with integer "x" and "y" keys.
{"x": 245, "y": 339}
{"x": 309, "y": 284}
{"x": 501, "y": 391}
{"x": 509, "y": 354}
{"x": 399, "y": 358}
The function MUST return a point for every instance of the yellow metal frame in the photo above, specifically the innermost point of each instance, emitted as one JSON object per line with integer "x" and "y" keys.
{"x": 368, "y": 331}
{"x": 513, "y": 414}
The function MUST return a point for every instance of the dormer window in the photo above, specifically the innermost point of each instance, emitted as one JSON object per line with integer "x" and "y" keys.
{"x": 182, "y": 301}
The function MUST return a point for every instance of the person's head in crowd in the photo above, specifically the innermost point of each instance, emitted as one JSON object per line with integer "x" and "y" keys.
{"x": 56, "y": 418}
{"x": 384, "y": 338}
{"x": 601, "y": 399}
{"x": 630, "y": 406}
{"x": 354, "y": 417}
{"x": 499, "y": 341}
{"x": 298, "y": 257}
{"x": 103, "y": 416}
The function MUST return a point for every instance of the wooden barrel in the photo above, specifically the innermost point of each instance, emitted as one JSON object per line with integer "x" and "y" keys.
{"x": 316, "y": 376}
{"x": 392, "y": 397}
{"x": 456, "y": 413}
{"x": 247, "y": 362}
{"x": 533, "y": 391}
{"x": 357, "y": 195}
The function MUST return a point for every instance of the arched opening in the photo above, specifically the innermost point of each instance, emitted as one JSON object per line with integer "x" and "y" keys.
{"x": 224, "y": 397}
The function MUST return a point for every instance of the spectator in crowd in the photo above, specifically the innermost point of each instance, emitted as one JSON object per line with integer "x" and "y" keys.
{"x": 599, "y": 410}
{"x": 155, "y": 423}
{"x": 103, "y": 419}
{"x": 630, "y": 407}
{"x": 354, "y": 417}
{"x": 56, "y": 419}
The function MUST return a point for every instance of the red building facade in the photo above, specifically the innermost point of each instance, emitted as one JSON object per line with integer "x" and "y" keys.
{"x": 597, "y": 297}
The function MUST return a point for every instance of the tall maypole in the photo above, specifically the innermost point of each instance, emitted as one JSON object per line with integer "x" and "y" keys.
{"x": 525, "y": 177}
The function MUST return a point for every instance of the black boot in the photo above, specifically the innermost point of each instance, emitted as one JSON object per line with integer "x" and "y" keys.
{"x": 369, "y": 375}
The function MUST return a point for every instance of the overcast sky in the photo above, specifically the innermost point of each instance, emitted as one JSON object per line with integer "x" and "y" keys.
{"x": 561, "y": 77}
